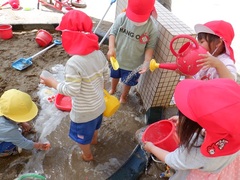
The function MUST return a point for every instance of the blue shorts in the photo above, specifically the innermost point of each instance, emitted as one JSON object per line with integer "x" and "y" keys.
{"x": 127, "y": 77}
{"x": 7, "y": 149}
{"x": 82, "y": 133}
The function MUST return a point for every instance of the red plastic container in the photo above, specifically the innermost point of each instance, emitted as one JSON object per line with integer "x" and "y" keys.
{"x": 15, "y": 4}
{"x": 6, "y": 31}
{"x": 43, "y": 38}
{"x": 63, "y": 102}
{"x": 162, "y": 134}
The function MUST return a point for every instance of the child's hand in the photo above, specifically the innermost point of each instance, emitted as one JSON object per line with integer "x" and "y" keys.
{"x": 148, "y": 146}
{"x": 50, "y": 82}
{"x": 208, "y": 61}
{"x": 42, "y": 146}
{"x": 144, "y": 67}
{"x": 46, "y": 146}
{"x": 110, "y": 53}
{"x": 174, "y": 119}
{"x": 142, "y": 70}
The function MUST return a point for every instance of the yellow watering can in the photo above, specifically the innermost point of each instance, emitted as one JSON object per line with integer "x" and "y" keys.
{"x": 112, "y": 104}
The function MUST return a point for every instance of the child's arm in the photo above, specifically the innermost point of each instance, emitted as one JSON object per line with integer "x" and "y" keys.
{"x": 223, "y": 71}
{"x": 111, "y": 47}
{"x": 50, "y": 82}
{"x": 210, "y": 61}
{"x": 14, "y": 136}
{"x": 158, "y": 152}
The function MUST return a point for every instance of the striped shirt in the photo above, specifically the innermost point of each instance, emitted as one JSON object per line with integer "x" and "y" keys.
{"x": 84, "y": 82}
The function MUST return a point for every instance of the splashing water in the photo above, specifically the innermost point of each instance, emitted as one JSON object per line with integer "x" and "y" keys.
{"x": 133, "y": 73}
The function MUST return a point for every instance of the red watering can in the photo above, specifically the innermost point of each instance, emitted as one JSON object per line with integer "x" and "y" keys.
{"x": 13, "y": 3}
{"x": 186, "y": 56}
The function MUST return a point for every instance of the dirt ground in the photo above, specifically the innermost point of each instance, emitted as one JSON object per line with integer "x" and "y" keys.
{"x": 23, "y": 45}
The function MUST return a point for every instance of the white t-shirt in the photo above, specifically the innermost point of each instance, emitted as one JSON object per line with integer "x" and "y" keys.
{"x": 211, "y": 73}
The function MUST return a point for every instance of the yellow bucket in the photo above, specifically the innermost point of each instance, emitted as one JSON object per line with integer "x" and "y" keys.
{"x": 112, "y": 104}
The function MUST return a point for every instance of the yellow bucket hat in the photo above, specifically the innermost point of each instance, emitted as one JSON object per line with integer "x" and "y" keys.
{"x": 17, "y": 106}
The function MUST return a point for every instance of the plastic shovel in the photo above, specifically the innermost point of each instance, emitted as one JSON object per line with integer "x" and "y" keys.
{"x": 23, "y": 63}
{"x": 114, "y": 63}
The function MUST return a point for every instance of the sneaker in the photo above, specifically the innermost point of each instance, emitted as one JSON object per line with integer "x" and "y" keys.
{"x": 79, "y": 3}
{"x": 14, "y": 151}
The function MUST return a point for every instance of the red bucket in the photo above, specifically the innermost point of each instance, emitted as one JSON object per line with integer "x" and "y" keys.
{"x": 162, "y": 134}
{"x": 6, "y": 31}
{"x": 43, "y": 38}
{"x": 63, "y": 102}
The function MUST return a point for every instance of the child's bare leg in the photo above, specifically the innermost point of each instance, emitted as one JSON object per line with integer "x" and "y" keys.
{"x": 126, "y": 89}
{"x": 87, "y": 154}
{"x": 114, "y": 85}
{"x": 95, "y": 136}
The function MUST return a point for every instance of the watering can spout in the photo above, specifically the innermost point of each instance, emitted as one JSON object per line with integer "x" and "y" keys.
{"x": 154, "y": 65}
{"x": 169, "y": 66}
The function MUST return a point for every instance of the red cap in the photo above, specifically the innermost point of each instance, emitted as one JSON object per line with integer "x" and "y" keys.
{"x": 139, "y": 10}
{"x": 219, "y": 28}
{"x": 215, "y": 106}
{"x": 77, "y": 35}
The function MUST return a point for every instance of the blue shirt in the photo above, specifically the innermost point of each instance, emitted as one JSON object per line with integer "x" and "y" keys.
{"x": 9, "y": 133}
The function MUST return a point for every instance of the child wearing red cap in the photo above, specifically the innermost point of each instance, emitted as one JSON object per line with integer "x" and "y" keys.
{"x": 216, "y": 37}
{"x": 85, "y": 73}
{"x": 208, "y": 129}
{"x": 16, "y": 109}
{"x": 131, "y": 41}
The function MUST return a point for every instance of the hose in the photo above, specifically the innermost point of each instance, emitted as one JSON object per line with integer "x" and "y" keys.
{"x": 31, "y": 175}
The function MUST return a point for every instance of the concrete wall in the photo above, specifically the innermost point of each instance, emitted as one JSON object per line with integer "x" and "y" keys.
{"x": 156, "y": 88}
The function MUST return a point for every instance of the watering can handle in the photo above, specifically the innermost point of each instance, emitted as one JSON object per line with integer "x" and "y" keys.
{"x": 182, "y": 36}
{"x": 55, "y": 42}
{"x": 106, "y": 93}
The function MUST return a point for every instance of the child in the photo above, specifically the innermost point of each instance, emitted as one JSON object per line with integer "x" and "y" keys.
{"x": 132, "y": 40}
{"x": 216, "y": 37}
{"x": 16, "y": 108}
{"x": 208, "y": 129}
{"x": 85, "y": 73}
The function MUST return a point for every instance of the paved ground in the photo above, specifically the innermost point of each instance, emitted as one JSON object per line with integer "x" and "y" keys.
{"x": 45, "y": 15}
